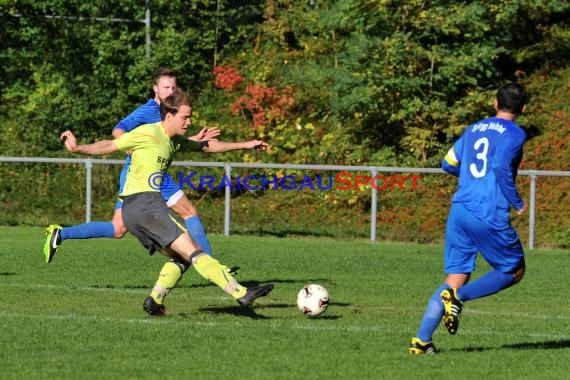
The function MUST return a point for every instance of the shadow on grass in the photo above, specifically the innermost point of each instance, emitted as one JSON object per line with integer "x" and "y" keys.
{"x": 245, "y": 283}
{"x": 234, "y": 310}
{"x": 325, "y": 316}
{"x": 252, "y": 312}
{"x": 546, "y": 345}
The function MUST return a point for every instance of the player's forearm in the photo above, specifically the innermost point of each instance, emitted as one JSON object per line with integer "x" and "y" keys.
{"x": 506, "y": 182}
{"x": 451, "y": 169}
{"x": 215, "y": 146}
{"x": 96, "y": 149}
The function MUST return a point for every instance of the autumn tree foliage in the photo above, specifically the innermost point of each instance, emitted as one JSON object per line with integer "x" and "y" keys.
{"x": 259, "y": 104}
{"x": 227, "y": 78}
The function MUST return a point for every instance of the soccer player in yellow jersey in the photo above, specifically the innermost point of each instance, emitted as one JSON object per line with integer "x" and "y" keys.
{"x": 145, "y": 214}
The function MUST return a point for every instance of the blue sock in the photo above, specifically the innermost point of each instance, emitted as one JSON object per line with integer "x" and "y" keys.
{"x": 196, "y": 230}
{"x": 486, "y": 285}
{"x": 88, "y": 231}
{"x": 432, "y": 315}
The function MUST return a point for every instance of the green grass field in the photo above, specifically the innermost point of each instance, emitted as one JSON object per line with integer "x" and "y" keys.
{"x": 81, "y": 316}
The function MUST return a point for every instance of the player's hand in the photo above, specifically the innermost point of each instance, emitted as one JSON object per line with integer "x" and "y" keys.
{"x": 522, "y": 209}
{"x": 69, "y": 140}
{"x": 206, "y": 134}
{"x": 257, "y": 145}
{"x": 211, "y": 133}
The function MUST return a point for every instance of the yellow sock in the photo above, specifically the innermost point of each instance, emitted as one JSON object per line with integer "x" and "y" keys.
{"x": 169, "y": 276}
{"x": 212, "y": 270}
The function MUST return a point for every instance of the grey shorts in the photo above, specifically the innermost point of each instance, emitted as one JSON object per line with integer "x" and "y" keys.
{"x": 148, "y": 218}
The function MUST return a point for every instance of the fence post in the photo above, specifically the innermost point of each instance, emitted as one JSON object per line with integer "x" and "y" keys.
{"x": 228, "y": 174}
{"x": 373, "y": 207}
{"x": 88, "y": 172}
{"x": 531, "y": 206}
{"x": 147, "y": 28}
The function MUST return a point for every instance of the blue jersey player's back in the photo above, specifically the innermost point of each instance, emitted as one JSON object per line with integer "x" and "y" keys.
{"x": 489, "y": 153}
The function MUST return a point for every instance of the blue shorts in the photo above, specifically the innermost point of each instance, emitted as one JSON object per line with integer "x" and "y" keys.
{"x": 170, "y": 189}
{"x": 465, "y": 235}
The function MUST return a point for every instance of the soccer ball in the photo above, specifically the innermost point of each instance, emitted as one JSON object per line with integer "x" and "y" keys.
{"x": 313, "y": 300}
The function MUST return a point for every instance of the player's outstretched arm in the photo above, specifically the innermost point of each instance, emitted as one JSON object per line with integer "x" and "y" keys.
{"x": 215, "y": 146}
{"x": 96, "y": 149}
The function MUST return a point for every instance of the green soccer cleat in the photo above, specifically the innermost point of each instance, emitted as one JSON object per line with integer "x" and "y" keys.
{"x": 418, "y": 347}
{"x": 53, "y": 240}
{"x": 153, "y": 308}
{"x": 254, "y": 293}
{"x": 453, "y": 307}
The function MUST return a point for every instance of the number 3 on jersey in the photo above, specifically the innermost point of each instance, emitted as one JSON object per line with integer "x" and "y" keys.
{"x": 481, "y": 146}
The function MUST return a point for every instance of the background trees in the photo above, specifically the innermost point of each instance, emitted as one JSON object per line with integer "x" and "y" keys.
{"x": 370, "y": 80}
{"x": 361, "y": 82}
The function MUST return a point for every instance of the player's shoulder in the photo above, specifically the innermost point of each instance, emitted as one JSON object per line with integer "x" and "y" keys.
{"x": 514, "y": 131}
{"x": 151, "y": 103}
{"x": 149, "y": 108}
{"x": 149, "y": 128}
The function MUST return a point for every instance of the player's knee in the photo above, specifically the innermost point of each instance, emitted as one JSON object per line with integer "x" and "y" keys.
{"x": 457, "y": 280}
{"x": 189, "y": 210}
{"x": 519, "y": 274}
{"x": 119, "y": 230}
{"x": 181, "y": 264}
{"x": 188, "y": 213}
{"x": 185, "y": 208}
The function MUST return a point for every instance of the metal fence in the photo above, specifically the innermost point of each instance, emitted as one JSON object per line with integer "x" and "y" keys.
{"x": 229, "y": 166}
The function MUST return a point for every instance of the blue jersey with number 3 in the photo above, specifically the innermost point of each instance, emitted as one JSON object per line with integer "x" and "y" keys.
{"x": 486, "y": 158}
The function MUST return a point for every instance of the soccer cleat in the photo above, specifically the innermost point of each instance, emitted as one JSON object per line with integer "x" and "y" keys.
{"x": 453, "y": 308}
{"x": 418, "y": 347}
{"x": 254, "y": 293}
{"x": 53, "y": 240}
{"x": 233, "y": 271}
{"x": 153, "y": 308}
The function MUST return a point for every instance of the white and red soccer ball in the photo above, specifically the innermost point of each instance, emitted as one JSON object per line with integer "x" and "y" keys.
{"x": 313, "y": 300}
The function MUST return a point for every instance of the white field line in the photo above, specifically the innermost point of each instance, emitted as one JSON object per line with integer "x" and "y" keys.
{"x": 470, "y": 309}
{"x": 462, "y": 331}
{"x": 467, "y": 311}
{"x": 89, "y": 318}
{"x": 384, "y": 329}
{"x": 516, "y": 314}
{"x": 97, "y": 289}
{"x": 77, "y": 288}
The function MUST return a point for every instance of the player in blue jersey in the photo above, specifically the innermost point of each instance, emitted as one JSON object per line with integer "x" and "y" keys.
{"x": 486, "y": 159}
